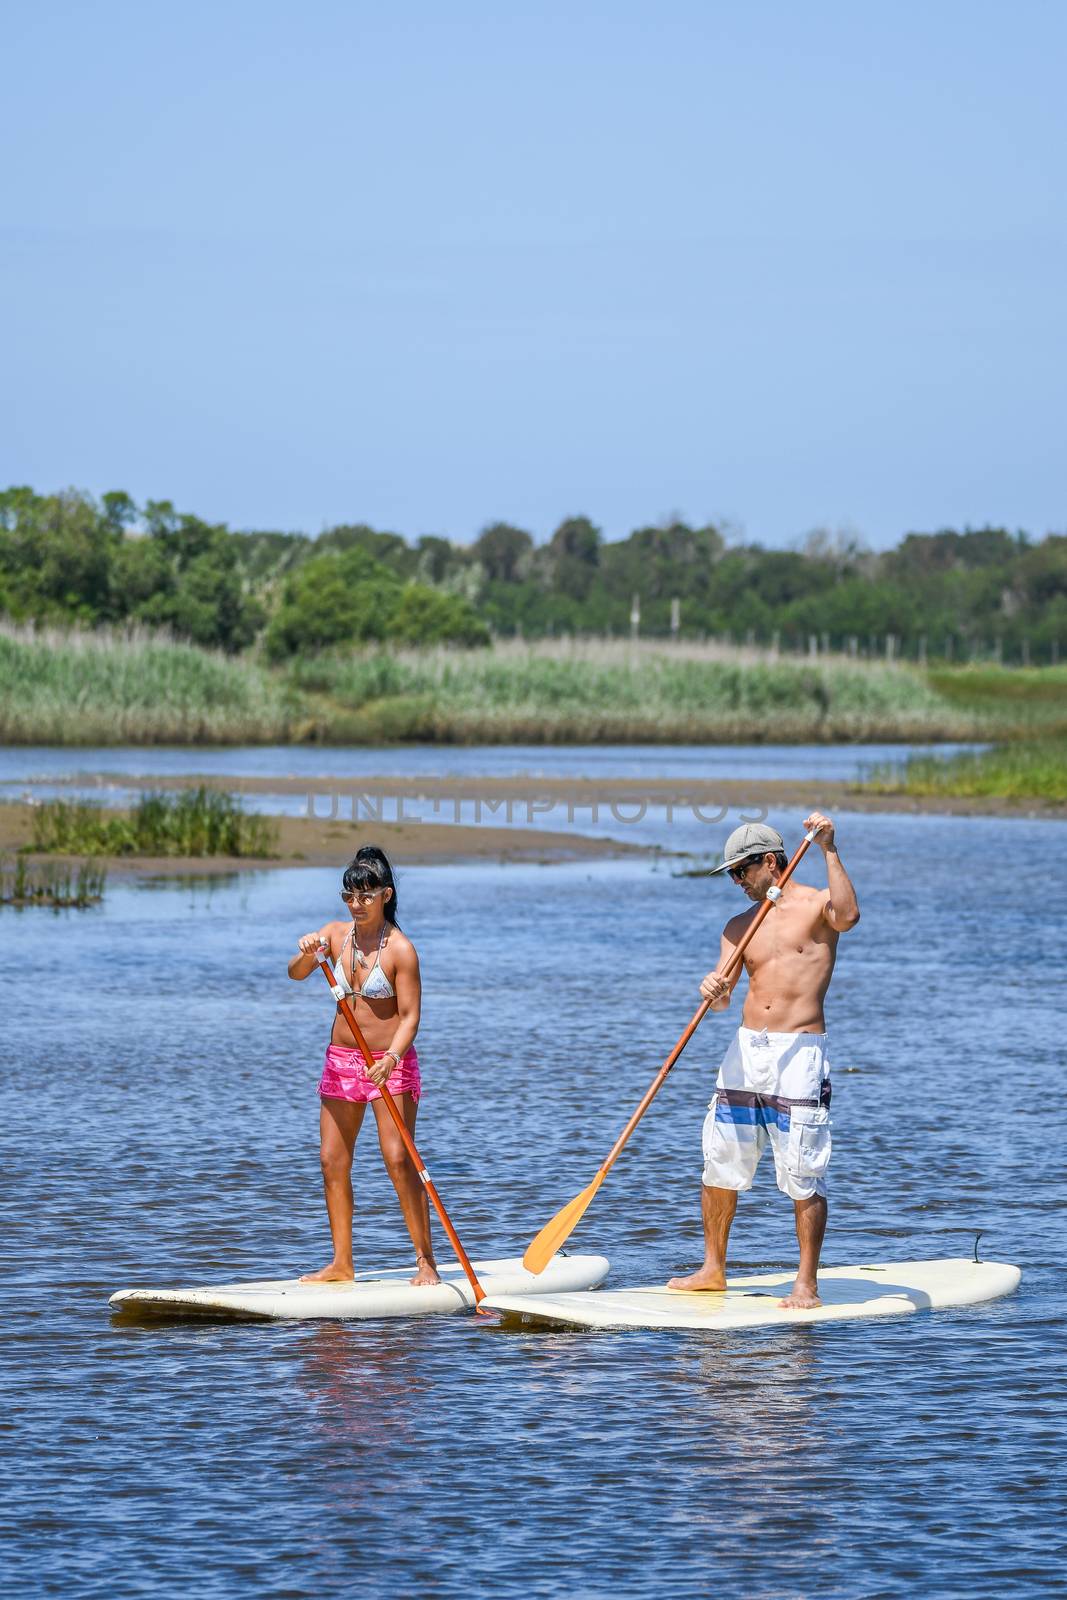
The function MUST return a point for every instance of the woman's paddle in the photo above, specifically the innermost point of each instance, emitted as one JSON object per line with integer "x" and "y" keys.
{"x": 563, "y": 1224}
{"x": 402, "y": 1129}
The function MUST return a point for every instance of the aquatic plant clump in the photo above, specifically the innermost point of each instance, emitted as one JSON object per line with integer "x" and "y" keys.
{"x": 46, "y": 883}
{"x": 193, "y": 822}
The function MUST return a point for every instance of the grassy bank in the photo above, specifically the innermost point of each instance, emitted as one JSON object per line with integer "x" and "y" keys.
{"x": 1025, "y": 709}
{"x": 1014, "y": 702}
{"x": 108, "y": 688}
{"x": 1023, "y": 770}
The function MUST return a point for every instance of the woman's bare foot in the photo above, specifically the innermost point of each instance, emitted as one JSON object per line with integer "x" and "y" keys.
{"x": 801, "y": 1297}
{"x": 426, "y": 1272}
{"x": 336, "y": 1272}
{"x": 712, "y": 1278}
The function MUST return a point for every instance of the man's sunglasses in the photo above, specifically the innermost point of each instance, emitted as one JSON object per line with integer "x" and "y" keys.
{"x": 737, "y": 872}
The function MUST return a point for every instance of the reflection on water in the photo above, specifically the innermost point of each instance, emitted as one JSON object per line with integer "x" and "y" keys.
{"x": 159, "y": 1117}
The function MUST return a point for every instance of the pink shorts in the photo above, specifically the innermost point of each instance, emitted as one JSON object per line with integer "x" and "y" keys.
{"x": 344, "y": 1076}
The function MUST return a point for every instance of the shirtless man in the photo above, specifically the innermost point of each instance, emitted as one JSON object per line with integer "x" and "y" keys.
{"x": 774, "y": 1082}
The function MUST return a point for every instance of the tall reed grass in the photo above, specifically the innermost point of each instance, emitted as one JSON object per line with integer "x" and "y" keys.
{"x": 132, "y": 687}
{"x": 193, "y": 822}
{"x": 594, "y": 691}
{"x": 141, "y": 688}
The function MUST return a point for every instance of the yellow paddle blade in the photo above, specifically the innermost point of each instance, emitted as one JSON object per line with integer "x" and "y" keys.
{"x": 563, "y": 1224}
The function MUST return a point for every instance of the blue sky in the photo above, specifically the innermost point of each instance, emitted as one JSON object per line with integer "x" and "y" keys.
{"x": 432, "y": 265}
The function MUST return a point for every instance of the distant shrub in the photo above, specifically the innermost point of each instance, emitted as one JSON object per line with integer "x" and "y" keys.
{"x": 350, "y": 597}
{"x": 428, "y": 616}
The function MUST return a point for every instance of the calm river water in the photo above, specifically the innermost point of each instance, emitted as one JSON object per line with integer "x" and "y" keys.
{"x": 159, "y": 1124}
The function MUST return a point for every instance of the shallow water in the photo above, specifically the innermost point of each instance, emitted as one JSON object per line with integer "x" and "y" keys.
{"x": 23, "y": 763}
{"x": 158, "y": 1108}
{"x": 695, "y": 829}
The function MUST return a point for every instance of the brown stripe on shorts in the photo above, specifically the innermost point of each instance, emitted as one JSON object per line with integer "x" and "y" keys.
{"x": 777, "y": 1102}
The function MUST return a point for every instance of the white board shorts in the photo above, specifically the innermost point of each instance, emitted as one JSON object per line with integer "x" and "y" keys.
{"x": 772, "y": 1088}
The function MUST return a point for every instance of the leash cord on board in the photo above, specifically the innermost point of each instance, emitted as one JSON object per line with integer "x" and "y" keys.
{"x": 895, "y": 1232}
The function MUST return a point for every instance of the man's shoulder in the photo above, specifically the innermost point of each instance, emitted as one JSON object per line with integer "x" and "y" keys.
{"x": 809, "y": 902}
{"x": 737, "y": 925}
{"x": 807, "y": 892}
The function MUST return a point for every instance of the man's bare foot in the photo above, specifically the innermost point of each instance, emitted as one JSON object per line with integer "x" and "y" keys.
{"x": 426, "y": 1272}
{"x": 334, "y": 1273}
{"x": 711, "y": 1278}
{"x": 801, "y": 1297}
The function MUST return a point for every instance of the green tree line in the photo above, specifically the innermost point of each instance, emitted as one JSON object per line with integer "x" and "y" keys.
{"x": 71, "y": 558}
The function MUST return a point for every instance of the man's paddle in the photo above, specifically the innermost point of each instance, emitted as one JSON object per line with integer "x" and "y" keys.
{"x": 402, "y": 1129}
{"x": 563, "y": 1224}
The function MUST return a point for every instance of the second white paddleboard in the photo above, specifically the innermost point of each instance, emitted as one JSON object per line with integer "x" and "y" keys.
{"x": 370, "y": 1294}
{"x": 884, "y": 1290}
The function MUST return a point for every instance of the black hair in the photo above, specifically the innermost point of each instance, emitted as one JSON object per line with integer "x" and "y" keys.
{"x": 369, "y": 869}
{"x": 781, "y": 861}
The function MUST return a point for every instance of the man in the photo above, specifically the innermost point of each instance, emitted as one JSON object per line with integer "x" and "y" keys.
{"x": 774, "y": 1082}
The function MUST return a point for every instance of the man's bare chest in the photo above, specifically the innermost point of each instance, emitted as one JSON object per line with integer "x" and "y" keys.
{"x": 790, "y": 934}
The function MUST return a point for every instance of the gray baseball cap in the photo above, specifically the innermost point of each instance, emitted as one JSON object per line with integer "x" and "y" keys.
{"x": 753, "y": 838}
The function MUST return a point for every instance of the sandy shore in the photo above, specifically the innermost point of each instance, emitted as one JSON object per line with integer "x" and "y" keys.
{"x": 346, "y": 813}
{"x": 311, "y": 842}
{"x": 737, "y": 799}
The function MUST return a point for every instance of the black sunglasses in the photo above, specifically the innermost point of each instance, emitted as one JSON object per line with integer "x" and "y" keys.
{"x": 737, "y": 872}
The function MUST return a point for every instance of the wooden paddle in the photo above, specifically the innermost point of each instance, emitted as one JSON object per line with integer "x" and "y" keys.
{"x": 402, "y": 1129}
{"x": 563, "y": 1224}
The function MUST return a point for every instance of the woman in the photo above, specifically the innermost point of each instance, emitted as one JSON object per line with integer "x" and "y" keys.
{"x": 378, "y": 968}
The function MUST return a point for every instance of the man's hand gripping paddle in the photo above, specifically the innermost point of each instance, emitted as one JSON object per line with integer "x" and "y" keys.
{"x": 402, "y": 1129}
{"x": 563, "y": 1224}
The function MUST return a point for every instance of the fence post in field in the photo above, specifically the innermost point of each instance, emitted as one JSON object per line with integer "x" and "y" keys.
{"x": 676, "y": 617}
{"x": 826, "y": 644}
{"x": 948, "y": 648}
{"x": 1054, "y": 653}
{"x": 813, "y": 645}
{"x": 853, "y": 645}
{"x": 922, "y": 649}
{"x": 998, "y": 650}
{"x": 890, "y": 646}
{"x": 635, "y": 616}
{"x": 1026, "y": 649}
{"x": 776, "y": 644}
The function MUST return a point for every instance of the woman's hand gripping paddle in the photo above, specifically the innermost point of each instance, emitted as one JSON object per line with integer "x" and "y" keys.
{"x": 402, "y": 1129}
{"x": 563, "y": 1224}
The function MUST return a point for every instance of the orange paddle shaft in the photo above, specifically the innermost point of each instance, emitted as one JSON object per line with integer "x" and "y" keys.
{"x": 726, "y": 972}
{"x": 402, "y": 1129}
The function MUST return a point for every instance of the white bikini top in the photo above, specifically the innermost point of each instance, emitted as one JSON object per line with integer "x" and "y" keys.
{"x": 376, "y": 986}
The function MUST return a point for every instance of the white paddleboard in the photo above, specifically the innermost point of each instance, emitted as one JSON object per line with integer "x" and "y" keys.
{"x": 370, "y": 1294}
{"x": 886, "y": 1290}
